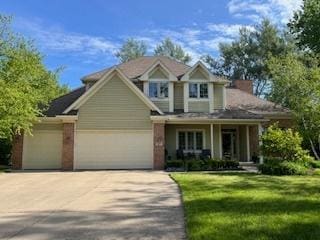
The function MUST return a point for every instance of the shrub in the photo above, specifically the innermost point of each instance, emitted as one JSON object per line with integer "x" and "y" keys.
{"x": 276, "y": 166}
{"x": 174, "y": 164}
{"x": 314, "y": 164}
{"x": 285, "y": 144}
{"x": 195, "y": 165}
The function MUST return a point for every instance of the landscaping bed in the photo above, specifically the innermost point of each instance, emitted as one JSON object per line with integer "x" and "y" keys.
{"x": 227, "y": 206}
{"x": 201, "y": 165}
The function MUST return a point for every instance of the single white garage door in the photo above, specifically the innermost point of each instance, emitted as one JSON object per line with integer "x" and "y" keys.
{"x": 113, "y": 150}
{"x": 43, "y": 150}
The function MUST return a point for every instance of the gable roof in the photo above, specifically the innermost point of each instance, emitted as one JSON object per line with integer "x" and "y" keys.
{"x": 137, "y": 67}
{"x": 103, "y": 80}
{"x": 58, "y": 105}
{"x": 200, "y": 65}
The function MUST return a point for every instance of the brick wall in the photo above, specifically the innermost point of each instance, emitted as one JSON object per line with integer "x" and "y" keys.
{"x": 68, "y": 146}
{"x": 158, "y": 146}
{"x": 17, "y": 151}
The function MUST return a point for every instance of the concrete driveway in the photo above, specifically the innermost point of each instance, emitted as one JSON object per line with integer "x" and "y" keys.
{"x": 90, "y": 205}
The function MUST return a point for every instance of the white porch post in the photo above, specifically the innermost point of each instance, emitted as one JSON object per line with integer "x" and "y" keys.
{"x": 211, "y": 139}
{"x": 248, "y": 143}
{"x": 220, "y": 141}
{"x": 260, "y": 130}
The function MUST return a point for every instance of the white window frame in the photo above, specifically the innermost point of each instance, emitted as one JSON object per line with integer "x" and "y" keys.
{"x": 194, "y": 150}
{"x": 198, "y": 98}
{"x": 159, "y": 82}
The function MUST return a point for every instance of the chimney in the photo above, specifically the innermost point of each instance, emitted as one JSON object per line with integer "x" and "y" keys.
{"x": 244, "y": 85}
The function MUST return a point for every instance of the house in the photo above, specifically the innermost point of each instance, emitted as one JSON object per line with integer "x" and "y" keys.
{"x": 137, "y": 114}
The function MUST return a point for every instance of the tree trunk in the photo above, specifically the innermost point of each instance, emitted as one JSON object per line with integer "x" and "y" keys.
{"x": 314, "y": 149}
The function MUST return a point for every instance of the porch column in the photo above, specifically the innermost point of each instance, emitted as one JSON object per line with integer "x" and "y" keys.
{"x": 158, "y": 146}
{"x": 260, "y": 130}
{"x": 17, "y": 151}
{"x": 211, "y": 140}
{"x": 68, "y": 146}
{"x": 248, "y": 143}
{"x": 220, "y": 141}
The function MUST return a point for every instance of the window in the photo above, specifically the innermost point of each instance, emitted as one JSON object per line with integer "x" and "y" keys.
{"x": 158, "y": 89}
{"x": 190, "y": 140}
{"x": 193, "y": 90}
{"x": 203, "y": 90}
{"x": 198, "y": 90}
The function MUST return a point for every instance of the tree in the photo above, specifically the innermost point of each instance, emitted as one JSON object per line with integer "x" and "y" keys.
{"x": 170, "y": 49}
{"x": 246, "y": 57}
{"x": 296, "y": 85}
{"x": 26, "y": 86}
{"x": 305, "y": 25}
{"x": 131, "y": 49}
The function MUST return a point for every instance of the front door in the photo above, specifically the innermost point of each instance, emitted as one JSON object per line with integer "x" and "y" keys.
{"x": 229, "y": 144}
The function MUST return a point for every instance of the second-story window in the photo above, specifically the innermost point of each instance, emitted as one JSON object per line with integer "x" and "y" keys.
{"x": 158, "y": 89}
{"x": 198, "y": 90}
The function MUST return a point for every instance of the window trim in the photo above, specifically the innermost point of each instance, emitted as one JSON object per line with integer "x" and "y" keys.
{"x": 194, "y": 137}
{"x": 198, "y": 98}
{"x": 158, "y": 82}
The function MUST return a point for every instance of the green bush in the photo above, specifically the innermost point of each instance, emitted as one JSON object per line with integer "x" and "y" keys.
{"x": 284, "y": 144}
{"x": 211, "y": 164}
{"x": 195, "y": 165}
{"x": 174, "y": 164}
{"x": 276, "y": 166}
{"x": 314, "y": 164}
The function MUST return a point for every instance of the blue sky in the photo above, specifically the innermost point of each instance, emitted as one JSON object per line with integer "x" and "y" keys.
{"x": 83, "y": 36}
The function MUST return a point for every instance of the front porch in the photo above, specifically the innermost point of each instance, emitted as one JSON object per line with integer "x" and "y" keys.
{"x": 230, "y": 141}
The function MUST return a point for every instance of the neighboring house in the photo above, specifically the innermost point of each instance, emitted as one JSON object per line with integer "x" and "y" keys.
{"x": 136, "y": 114}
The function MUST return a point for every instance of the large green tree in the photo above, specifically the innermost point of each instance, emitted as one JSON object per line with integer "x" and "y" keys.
{"x": 296, "y": 85}
{"x": 26, "y": 86}
{"x": 170, "y": 49}
{"x": 305, "y": 25}
{"x": 131, "y": 49}
{"x": 246, "y": 57}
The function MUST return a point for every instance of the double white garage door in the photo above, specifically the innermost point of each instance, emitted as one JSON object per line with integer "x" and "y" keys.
{"x": 93, "y": 150}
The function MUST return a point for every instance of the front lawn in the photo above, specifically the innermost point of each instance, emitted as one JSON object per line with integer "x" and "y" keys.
{"x": 249, "y": 206}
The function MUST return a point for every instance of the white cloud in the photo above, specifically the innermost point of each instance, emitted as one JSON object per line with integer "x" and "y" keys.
{"x": 279, "y": 11}
{"x": 230, "y": 30}
{"x": 56, "y": 39}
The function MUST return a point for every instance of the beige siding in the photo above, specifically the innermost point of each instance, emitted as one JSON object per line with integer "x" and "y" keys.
{"x": 42, "y": 150}
{"x": 178, "y": 96}
{"x": 198, "y": 74}
{"x": 218, "y": 97}
{"x": 198, "y": 106}
{"x": 163, "y": 105}
{"x": 171, "y": 130}
{"x": 114, "y": 106}
{"x": 158, "y": 74}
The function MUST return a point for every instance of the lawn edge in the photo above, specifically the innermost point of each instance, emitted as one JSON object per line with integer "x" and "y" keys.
{"x": 183, "y": 207}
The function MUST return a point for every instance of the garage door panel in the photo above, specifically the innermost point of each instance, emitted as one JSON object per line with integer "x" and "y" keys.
{"x": 113, "y": 150}
{"x": 42, "y": 150}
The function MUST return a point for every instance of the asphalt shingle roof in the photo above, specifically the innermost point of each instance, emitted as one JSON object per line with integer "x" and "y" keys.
{"x": 135, "y": 68}
{"x": 58, "y": 105}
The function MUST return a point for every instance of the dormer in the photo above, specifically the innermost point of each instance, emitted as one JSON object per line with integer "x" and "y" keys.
{"x": 158, "y": 86}
{"x": 203, "y": 91}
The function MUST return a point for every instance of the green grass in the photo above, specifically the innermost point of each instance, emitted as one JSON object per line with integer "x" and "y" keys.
{"x": 249, "y": 206}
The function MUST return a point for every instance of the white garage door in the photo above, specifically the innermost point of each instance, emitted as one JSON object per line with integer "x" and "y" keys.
{"x": 113, "y": 150}
{"x": 42, "y": 150}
